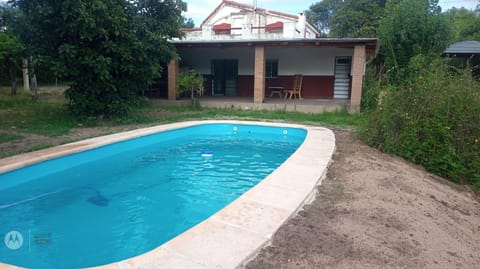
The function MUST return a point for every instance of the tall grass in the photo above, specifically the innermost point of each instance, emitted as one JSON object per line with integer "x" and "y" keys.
{"x": 21, "y": 114}
{"x": 49, "y": 116}
{"x": 433, "y": 119}
{"x": 335, "y": 119}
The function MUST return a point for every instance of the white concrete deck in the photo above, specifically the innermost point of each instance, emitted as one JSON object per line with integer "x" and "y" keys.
{"x": 272, "y": 104}
{"x": 236, "y": 233}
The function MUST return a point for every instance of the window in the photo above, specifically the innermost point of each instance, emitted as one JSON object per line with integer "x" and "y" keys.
{"x": 343, "y": 60}
{"x": 271, "y": 68}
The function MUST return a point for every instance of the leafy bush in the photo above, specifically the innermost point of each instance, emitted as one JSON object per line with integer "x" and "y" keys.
{"x": 108, "y": 51}
{"x": 409, "y": 28}
{"x": 190, "y": 82}
{"x": 10, "y": 57}
{"x": 370, "y": 92}
{"x": 433, "y": 119}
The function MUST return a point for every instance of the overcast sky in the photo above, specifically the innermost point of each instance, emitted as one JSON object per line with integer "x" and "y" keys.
{"x": 198, "y": 10}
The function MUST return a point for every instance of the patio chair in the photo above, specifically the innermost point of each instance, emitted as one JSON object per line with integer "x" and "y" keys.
{"x": 296, "y": 89}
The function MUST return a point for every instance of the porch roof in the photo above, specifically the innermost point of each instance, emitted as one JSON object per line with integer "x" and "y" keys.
{"x": 371, "y": 44}
{"x": 463, "y": 49}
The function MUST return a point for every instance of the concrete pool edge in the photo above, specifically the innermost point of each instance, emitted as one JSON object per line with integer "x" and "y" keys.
{"x": 237, "y": 232}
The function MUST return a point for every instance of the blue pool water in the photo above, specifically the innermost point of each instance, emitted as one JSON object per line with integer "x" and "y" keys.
{"x": 121, "y": 200}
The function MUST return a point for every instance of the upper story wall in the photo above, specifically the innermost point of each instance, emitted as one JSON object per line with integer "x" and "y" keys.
{"x": 231, "y": 20}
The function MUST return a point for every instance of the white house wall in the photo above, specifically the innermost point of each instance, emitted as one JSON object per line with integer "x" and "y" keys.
{"x": 222, "y": 16}
{"x": 244, "y": 22}
{"x": 230, "y": 15}
{"x": 200, "y": 58}
{"x": 306, "y": 61}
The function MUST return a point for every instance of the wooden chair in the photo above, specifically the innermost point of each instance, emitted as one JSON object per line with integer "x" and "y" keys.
{"x": 296, "y": 89}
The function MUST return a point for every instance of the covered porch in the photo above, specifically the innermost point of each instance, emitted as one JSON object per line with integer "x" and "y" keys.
{"x": 242, "y": 74}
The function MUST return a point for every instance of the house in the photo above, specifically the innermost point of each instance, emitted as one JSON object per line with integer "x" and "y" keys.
{"x": 233, "y": 21}
{"x": 466, "y": 49}
{"x": 245, "y": 51}
{"x": 466, "y": 54}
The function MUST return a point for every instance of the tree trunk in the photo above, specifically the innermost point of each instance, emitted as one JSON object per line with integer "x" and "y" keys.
{"x": 26, "y": 80}
{"x": 34, "y": 87}
{"x": 33, "y": 81}
{"x": 13, "y": 79}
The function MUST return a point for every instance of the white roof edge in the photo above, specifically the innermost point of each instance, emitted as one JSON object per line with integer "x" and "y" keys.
{"x": 272, "y": 40}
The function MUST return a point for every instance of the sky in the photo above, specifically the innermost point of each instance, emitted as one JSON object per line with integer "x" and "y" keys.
{"x": 198, "y": 10}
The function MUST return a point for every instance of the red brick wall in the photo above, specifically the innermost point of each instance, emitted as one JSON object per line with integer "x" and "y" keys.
{"x": 245, "y": 86}
{"x": 318, "y": 87}
{"x": 313, "y": 86}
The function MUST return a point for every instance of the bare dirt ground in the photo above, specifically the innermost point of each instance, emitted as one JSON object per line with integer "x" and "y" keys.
{"x": 378, "y": 211}
{"x": 32, "y": 140}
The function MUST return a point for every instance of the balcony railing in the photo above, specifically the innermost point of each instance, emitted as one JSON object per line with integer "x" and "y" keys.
{"x": 246, "y": 32}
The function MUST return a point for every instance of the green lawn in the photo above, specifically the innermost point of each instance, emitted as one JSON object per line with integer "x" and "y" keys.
{"x": 23, "y": 115}
{"x": 49, "y": 116}
{"x": 5, "y": 137}
{"x": 341, "y": 118}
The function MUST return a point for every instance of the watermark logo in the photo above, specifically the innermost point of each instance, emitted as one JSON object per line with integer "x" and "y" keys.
{"x": 13, "y": 240}
{"x": 42, "y": 238}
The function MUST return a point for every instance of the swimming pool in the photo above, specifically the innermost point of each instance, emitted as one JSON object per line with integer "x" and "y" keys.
{"x": 89, "y": 215}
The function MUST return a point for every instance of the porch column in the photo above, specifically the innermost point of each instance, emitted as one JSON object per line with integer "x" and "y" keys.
{"x": 359, "y": 57}
{"x": 259, "y": 75}
{"x": 172, "y": 79}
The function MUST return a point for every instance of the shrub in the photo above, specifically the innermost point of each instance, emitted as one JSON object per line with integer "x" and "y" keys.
{"x": 108, "y": 51}
{"x": 370, "y": 92}
{"x": 190, "y": 82}
{"x": 432, "y": 119}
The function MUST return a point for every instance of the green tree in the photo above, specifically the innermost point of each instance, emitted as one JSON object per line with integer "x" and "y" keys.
{"x": 109, "y": 50}
{"x": 466, "y": 23}
{"x": 347, "y": 18}
{"x": 357, "y": 18}
{"x": 10, "y": 57}
{"x": 321, "y": 13}
{"x": 190, "y": 82}
{"x": 3, "y": 27}
{"x": 16, "y": 23}
{"x": 410, "y": 28}
{"x": 188, "y": 23}
{"x": 11, "y": 48}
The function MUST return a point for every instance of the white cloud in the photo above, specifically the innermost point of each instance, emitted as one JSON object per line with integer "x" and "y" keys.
{"x": 448, "y": 4}
{"x": 198, "y": 10}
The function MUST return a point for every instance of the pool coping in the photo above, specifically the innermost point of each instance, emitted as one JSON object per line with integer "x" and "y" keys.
{"x": 236, "y": 233}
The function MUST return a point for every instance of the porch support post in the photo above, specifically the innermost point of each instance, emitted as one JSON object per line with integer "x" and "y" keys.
{"x": 172, "y": 79}
{"x": 259, "y": 75}
{"x": 359, "y": 58}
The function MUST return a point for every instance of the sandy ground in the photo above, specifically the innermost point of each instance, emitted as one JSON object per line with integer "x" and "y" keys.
{"x": 378, "y": 211}
{"x": 372, "y": 211}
